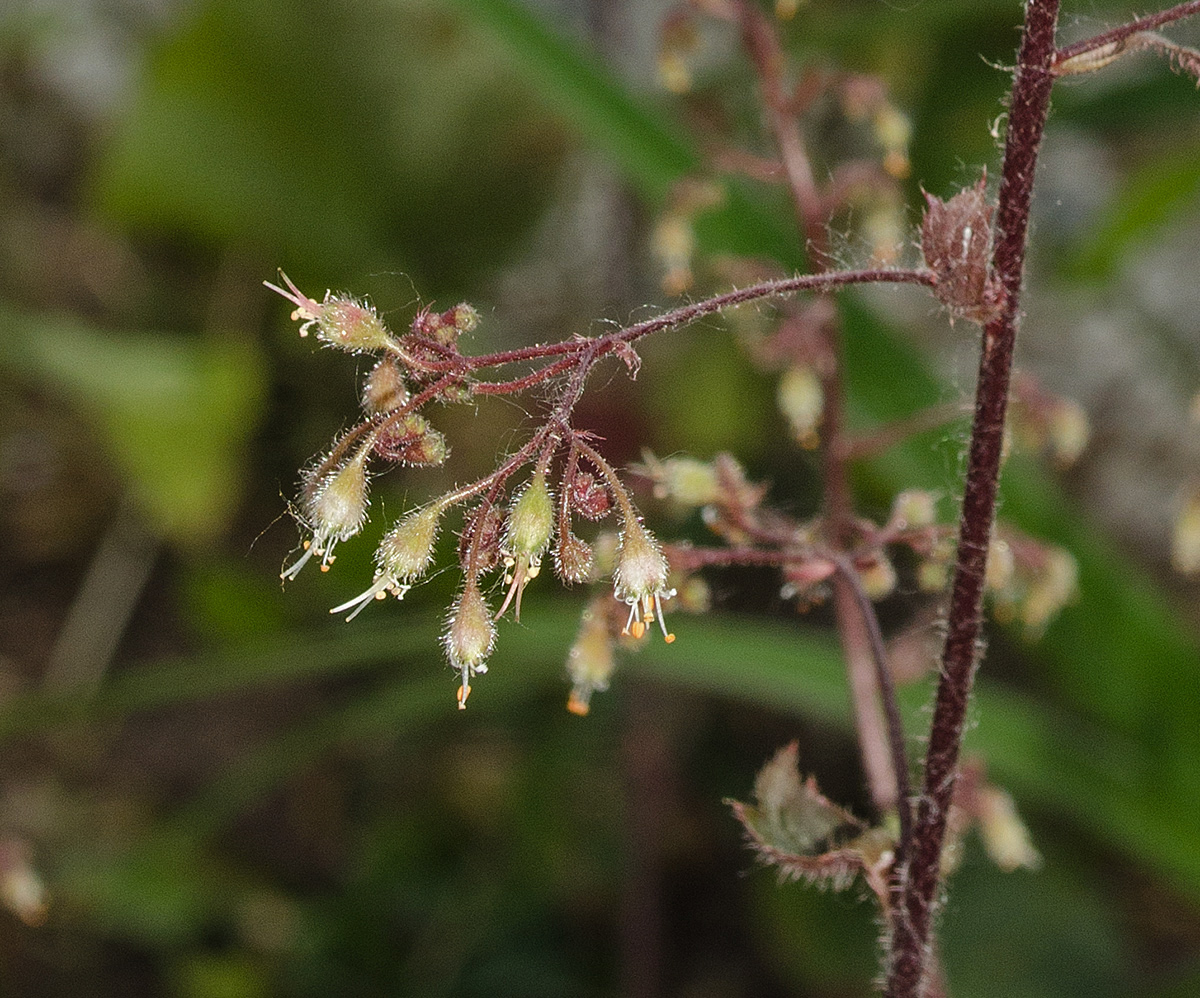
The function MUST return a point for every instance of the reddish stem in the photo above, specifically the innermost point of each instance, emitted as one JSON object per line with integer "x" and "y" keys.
{"x": 919, "y": 878}
{"x": 1149, "y": 23}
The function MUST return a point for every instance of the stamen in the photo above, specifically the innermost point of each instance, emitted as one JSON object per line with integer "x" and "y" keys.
{"x": 578, "y": 705}
{"x": 662, "y": 622}
{"x": 289, "y": 574}
{"x": 377, "y": 591}
{"x": 629, "y": 624}
{"x": 465, "y": 690}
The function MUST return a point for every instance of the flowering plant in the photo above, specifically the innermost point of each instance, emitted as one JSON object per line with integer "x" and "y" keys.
{"x": 973, "y": 257}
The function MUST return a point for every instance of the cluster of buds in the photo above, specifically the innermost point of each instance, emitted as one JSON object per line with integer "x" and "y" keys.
{"x": 507, "y": 541}
{"x": 1030, "y": 581}
{"x": 1044, "y": 423}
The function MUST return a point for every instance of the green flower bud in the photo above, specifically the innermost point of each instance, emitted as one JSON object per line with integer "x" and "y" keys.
{"x": 351, "y": 325}
{"x": 404, "y": 554}
{"x": 1185, "y": 541}
{"x": 464, "y": 317}
{"x": 914, "y": 508}
{"x": 688, "y": 481}
{"x": 878, "y": 577}
{"x": 802, "y": 399}
{"x": 530, "y": 520}
{"x": 1052, "y": 589}
{"x": 406, "y": 551}
{"x": 384, "y": 389}
{"x": 340, "y": 320}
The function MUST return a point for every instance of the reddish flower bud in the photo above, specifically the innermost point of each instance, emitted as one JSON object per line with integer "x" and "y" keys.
{"x": 573, "y": 559}
{"x": 589, "y": 498}
{"x": 384, "y": 389}
{"x": 411, "y": 440}
{"x": 956, "y": 238}
{"x": 485, "y": 530}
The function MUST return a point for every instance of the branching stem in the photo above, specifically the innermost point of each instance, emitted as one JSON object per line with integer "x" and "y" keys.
{"x": 1149, "y": 23}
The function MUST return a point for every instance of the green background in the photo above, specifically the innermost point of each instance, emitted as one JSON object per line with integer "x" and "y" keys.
{"x": 226, "y": 794}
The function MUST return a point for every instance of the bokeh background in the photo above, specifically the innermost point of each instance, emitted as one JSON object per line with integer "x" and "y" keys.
{"x": 209, "y": 789}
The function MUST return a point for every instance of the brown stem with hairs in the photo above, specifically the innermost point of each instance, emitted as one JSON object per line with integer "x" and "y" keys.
{"x": 919, "y": 875}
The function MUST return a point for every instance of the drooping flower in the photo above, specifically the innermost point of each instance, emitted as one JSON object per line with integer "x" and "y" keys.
{"x": 527, "y": 534}
{"x": 470, "y": 637}
{"x": 640, "y": 579}
{"x": 335, "y": 509}
{"x": 403, "y": 556}
{"x": 590, "y": 663}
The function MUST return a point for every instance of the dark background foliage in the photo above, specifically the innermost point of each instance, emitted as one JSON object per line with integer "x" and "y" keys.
{"x": 226, "y": 794}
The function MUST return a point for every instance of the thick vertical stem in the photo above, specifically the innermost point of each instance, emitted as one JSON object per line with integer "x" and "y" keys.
{"x": 1030, "y": 101}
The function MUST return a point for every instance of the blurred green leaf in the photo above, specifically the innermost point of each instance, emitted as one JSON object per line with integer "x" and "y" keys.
{"x": 344, "y": 138}
{"x": 1148, "y": 201}
{"x": 174, "y": 413}
{"x": 1102, "y": 783}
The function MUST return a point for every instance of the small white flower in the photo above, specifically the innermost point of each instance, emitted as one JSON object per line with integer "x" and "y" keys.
{"x": 640, "y": 579}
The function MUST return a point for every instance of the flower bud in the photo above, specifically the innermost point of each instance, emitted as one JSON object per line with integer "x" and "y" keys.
{"x": 1005, "y": 836}
{"x": 1185, "y": 544}
{"x": 351, "y": 325}
{"x": 674, "y": 244}
{"x": 411, "y": 440}
{"x": 1001, "y": 566}
{"x": 339, "y": 506}
{"x": 914, "y": 508}
{"x": 340, "y": 320}
{"x": 384, "y": 389}
{"x": 933, "y": 574}
{"x": 802, "y": 399}
{"x": 22, "y": 890}
{"x": 486, "y": 528}
{"x": 404, "y": 554}
{"x": 573, "y": 558}
{"x": 1052, "y": 590}
{"x": 678, "y": 42}
{"x": 893, "y": 131}
{"x": 589, "y": 498}
{"x": 590, "y": 662}
{"x": 464, "y": 317}
{"x": 955, "y": 240}
{"x": 1068, "y": 431}
{"x": 688, "y": 481}
{"x": 530, "y": 520}
{"x": 877, "y": 576}
{"x": 470, "y": 637}
{"x": 526, "y": 537}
